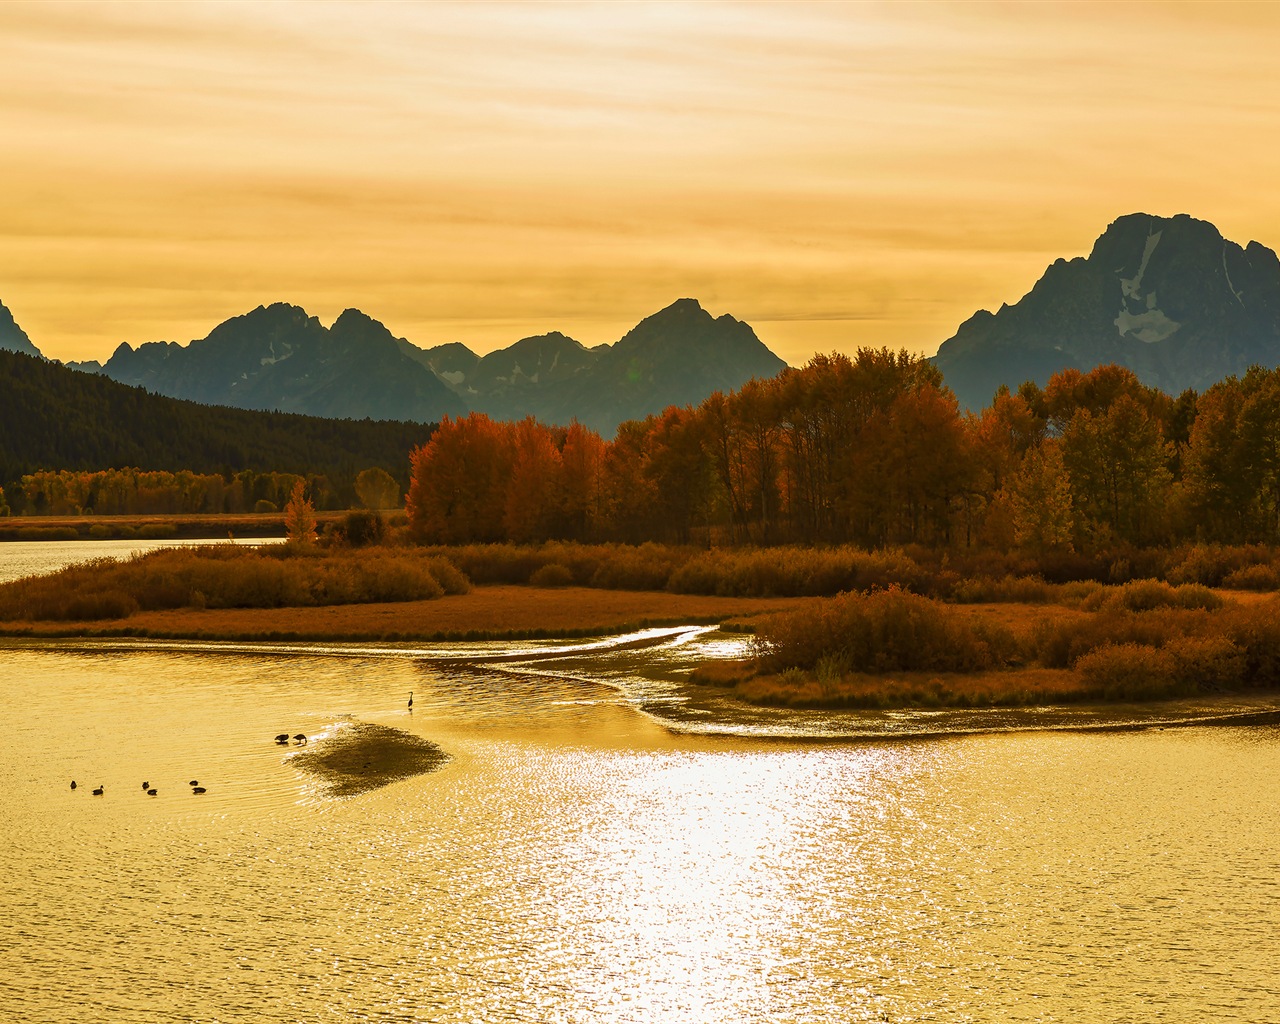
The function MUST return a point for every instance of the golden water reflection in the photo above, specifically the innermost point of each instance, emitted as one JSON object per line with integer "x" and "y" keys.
{"x": 576, "y": 861}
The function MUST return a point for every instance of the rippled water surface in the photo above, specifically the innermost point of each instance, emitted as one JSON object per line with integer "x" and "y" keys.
{"x": 579, "y": 857}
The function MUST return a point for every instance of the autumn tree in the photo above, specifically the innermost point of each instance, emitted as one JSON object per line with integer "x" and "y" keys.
{"x": 300, "y": 516}
{"x": 1039, "y": 496}
{"x": 582, "y": 482}
{"x": 458, "y": 482}
{"x": 377, "y": 489}
{"x": 532, "y": 503}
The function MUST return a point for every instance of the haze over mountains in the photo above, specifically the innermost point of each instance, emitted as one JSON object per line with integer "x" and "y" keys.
{"x": 1168, "y": 297}
{"x": 279, "y": 357}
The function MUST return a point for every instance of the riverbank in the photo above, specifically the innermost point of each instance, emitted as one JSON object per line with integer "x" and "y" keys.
{"x": 486, "y": 613}
{"x": 151, "y": 527}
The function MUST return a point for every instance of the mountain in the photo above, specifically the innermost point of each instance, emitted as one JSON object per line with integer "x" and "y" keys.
{"x": 52, "y": 417}
{"x": 1168, "y": 297}
{"x": 278, "y": 357}
{"x": 677, "y": 356}
{"x": 12, "y": 337}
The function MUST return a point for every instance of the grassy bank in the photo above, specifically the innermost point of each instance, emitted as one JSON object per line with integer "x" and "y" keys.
{"x": 1148, "y": 641}
{"x": 484, "y": 613}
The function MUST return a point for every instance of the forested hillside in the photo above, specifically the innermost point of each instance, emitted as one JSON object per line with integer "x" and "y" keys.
{"x": 53, "y": 418}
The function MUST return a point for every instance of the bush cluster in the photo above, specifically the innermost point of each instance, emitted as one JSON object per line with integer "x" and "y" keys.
{"x": 228, "y": 576}
{"x": 883, "y": 631}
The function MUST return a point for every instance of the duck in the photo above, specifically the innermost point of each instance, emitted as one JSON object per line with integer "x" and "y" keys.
{"x": 198, "y": 790}
{"x": 301, "y": 738}
{"x": 98, "y": 791}
{"x": 146, "y": 785}
{"x": 282, "y": 738}
{"x": 151, "y": 792}
{"x": 73, "y": 783}
{"x": 193, "y": 782}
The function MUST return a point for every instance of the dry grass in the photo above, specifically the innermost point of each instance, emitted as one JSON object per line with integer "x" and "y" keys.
{"x": 486, "y": 612}
{"x": 1020, "y": 688}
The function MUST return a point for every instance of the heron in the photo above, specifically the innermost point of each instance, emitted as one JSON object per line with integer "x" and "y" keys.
{"x": 410, "y": 700}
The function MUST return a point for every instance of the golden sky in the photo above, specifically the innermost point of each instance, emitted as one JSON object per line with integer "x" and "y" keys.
{"x": 837, "y": 175}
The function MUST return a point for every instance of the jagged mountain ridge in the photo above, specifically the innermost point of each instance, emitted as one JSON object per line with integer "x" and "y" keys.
{"x": 677, "y": 356}
{"x": 12, "y": 337}
{"x": 1168, "y": 297}
{"x": 279, "y": 357}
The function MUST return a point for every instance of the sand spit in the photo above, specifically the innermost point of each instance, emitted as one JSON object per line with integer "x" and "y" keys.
{"x": 359, "y": 756}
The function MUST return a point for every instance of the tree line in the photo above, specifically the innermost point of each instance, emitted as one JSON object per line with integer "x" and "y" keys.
{"x": 873, "y": 450}
{"x": 160, "y": 492}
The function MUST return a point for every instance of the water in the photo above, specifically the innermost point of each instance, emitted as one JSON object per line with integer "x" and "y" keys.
{"x": 27, "y": 557}
{"x": 629, "y": 852}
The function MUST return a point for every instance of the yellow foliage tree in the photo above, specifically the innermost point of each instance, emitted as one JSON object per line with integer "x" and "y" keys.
{"x": 300, "y": 516}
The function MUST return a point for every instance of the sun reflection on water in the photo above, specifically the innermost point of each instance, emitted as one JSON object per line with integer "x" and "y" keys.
{"x": 577, "y": 862}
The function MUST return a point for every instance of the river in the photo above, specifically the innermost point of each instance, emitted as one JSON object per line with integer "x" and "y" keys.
{"x": 605, "y": 844}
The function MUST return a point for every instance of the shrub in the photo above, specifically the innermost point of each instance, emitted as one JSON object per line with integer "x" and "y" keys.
{"x": 1145, "y": 595}
{"x": 448, "y": 575}
{"x": 1255, "y": 630}
{"x": 1211, "y": 564}
{"x": 1186, "y": 665}
{"x": 1128, "y": 671}
{"x": 1253, "y": 577}
{"x": 553, "y": 575}
{"x": 884, "y": 631}
{"x": 1061, "y": 643}
{"x": 1012, "y": 589}
{"x": 227, "y": 576}
{"x": 360, "y": 528}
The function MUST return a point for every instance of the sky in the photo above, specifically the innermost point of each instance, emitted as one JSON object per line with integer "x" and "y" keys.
{"x": 837, "y": 175}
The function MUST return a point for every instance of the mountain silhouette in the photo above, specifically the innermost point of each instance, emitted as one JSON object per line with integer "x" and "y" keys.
{"x": 279, "y": 357}
{"x": 12, "y": 337}
{"x": 1168, "y": 297}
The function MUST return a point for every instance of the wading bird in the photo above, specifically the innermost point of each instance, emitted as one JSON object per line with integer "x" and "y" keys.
{"x": 410, "y": 700}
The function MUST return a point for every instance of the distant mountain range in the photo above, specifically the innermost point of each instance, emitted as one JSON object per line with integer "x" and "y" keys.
{"x": 279, "y": 357}
{"x": 1168, "y": 297}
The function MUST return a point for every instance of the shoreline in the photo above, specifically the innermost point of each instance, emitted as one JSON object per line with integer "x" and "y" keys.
{"x": 489, "y": 612}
